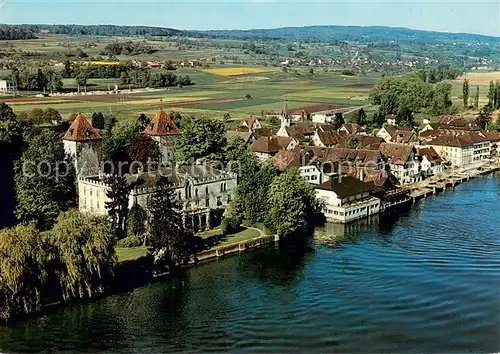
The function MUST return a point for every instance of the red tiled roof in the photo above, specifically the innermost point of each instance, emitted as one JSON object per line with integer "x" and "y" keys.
{"x": 398, "y": 153}
{"x": 451, "y": 141}
{"x": 249, "y": 121}
{"x": 430, "y": 153}
{"x": 286, "y": 158}
{"x": 353, "y": 128}
{"x": 81, "y": 130}
{"x": 162, "y": 125}
{"x": 266, "y": 145}
{"x": 331, "y": 138}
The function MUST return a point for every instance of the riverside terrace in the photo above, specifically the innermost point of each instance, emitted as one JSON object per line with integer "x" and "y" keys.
{"x": 200, "y": 189}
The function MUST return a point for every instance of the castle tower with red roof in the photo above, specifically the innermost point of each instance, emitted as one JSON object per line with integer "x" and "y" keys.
{"x": 163, "y": 130}
{"x": 83, "y": 144}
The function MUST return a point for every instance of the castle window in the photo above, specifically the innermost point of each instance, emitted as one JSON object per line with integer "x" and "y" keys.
{"x": 207, "y": 202}
{"x": 196, "y": 192}
{"x": 219, "y": 201}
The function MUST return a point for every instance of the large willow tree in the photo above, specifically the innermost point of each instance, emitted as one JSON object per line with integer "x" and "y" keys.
{"x": 22, "y": 271}
{"x": 83, "y": 255}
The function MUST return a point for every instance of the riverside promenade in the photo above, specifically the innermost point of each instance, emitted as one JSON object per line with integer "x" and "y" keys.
{"x": 452, "y": 178}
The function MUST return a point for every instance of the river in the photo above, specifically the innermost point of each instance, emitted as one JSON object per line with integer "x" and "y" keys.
{"x": 425, "y": 280}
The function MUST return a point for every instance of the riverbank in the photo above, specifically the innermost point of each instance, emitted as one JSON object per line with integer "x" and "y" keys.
{"x": 422, "y": 280}
{"x": 451, "y": 179}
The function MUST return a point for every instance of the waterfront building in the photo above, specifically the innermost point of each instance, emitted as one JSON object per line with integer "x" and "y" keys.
{"x": 458, "y": 151}
{"x": 347, "y": 199}
{"x": 164, "y": 132}
{"x": 402, "y": 162}
{"x": 481, "y": 146}
{"x": 82, "y": 143}
{"x": 431, "y": 164}
{"x": 199, "y": 188}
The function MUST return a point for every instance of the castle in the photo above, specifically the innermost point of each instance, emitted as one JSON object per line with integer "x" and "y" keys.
{"x": 199, "y": 188}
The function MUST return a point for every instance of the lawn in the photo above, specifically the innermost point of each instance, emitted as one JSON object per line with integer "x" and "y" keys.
{"x": 245, "y": 234}
{"x": 128, "y": 254}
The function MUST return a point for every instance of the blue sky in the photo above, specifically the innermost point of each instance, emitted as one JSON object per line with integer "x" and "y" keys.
{"x": 482, "y": 17}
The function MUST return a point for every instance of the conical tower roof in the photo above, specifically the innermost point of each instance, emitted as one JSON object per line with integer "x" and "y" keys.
{"x": 81, "y": 130}
{"x": 162, "y": 125}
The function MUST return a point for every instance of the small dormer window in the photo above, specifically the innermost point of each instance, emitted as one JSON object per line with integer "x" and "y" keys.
{"x": 70, "y": 131}
{"x": 88, "y": 132}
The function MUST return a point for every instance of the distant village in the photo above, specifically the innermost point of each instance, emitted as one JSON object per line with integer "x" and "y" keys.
{"x": 354, "y": 173}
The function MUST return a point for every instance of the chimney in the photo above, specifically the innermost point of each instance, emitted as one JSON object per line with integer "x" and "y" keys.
{"x": 361, "y": 175}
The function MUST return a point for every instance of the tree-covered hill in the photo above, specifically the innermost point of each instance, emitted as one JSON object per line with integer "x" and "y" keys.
{"x": 351, "y": 33}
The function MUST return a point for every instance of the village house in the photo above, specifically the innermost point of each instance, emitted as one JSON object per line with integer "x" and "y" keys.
{"x": 427, "y": 125}
{"x": 431, "y": 163}
{"x": 458, "y": 151}
{"x": 328, "y": 139}
{"x": 481, "y": 146}
{"x": 347, "y": 199}
{"x": 352, "y": 129}
{"x": 250, "y": 123}
{"x": 164, "y": 132}
{"x": 402, "y": 162}
{"x": 494, "y": 138}
{"x": 199, "y": 188}
{"x": 246, "y": 136}
{"x": 308, "y": 165}
{"x": 7, "y": 86}
{"x": 268, "y": 146}
{"x": 82, "y": 143}
{"x": 393, "y": 134}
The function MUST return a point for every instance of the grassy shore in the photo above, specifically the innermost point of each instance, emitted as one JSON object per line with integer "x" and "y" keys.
{"x": 213, "y": 237}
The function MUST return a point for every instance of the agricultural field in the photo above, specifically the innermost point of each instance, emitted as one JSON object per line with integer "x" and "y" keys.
{"x": 215, "y": 94}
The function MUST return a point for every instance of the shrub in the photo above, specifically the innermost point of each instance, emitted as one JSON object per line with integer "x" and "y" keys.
{"x": 230, "y": 225}
{"x": 129, "y": 241}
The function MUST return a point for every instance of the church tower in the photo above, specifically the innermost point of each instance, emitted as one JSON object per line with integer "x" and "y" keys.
{"x": 285, "y": 116}
{"x": 83, "y": 144}
{"x": 163, "y": 130}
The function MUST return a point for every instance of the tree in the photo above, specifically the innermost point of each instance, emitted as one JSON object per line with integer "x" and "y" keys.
{"x": 496, "y": 104}
{"x": 45, "y": 181}
{"x": 13, "y": 131}
{"x": 236, "y": 148}
{"x": 143, "y": 150}
{"x": 98, "y": 120}
{"x": 81, "y": 78}
{"x": 311, "y": 71}
{"x": 292, "y": 205}
{"x": 361, "y": 117}
{"x": 117, "y": 206}
{"x": 166, "y": 225}
{"x": 476, "y": 98}
{"x": 36, "y": 116}
{"x": 378, "y": 119}
{"x": 491, "y": 94}
{"x": 144, "y": 121}
{"x": 250, "y": 197}
{"x": 137, "y": 218}
{"x": 352, "y": 142}
{"x": 405, "y": 116}
{"x": 51, "y": 115}
{"x": 23, "y": 271}
{"x": 484, "y": 118}
{"x": 114, "y": 147}
{"x": 248, "y": 96}
{"x": 465, "y": 92}
{"x": 338, "y": 120}
{"x": 202, "y": 138}
{"x": 176, "y": 118}
{"x": 82, "y": 254}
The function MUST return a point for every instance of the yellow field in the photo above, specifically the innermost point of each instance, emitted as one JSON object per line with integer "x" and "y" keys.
{"x": 237, "y": 71}
{"x": 480, "y": 78}
{"x": 110, "y": 63}
{"x": 328, "y": 94}
{"x": 164, "y": 100}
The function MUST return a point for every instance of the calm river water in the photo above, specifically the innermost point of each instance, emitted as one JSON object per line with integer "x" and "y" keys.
{"x": 427, "y": 280}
